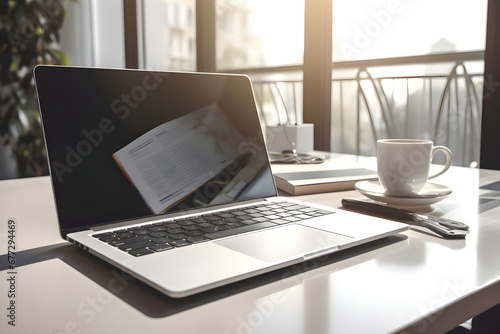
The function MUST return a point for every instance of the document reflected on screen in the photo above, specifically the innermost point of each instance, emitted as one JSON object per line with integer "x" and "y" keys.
{"x": 160, "y": 163}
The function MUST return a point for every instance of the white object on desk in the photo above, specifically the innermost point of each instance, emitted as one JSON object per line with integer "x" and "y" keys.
{"x": 337, "y": 172}
{"x": 291, "y": 136}
{"x": 430, "y": 194}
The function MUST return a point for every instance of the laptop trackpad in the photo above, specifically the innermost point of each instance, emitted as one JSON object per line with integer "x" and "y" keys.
{"x": 284, "y": 242}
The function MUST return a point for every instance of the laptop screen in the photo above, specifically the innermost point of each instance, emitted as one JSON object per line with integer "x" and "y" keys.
{"x": 127, "y": 144}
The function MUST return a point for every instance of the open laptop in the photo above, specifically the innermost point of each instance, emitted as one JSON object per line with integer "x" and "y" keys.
{"x": 166, "y": 176}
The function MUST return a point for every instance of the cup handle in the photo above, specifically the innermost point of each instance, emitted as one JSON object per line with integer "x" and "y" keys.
{"x": 449, "y": 158}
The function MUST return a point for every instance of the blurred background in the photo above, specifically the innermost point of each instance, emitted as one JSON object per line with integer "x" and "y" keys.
{"x": 400, "y": 69}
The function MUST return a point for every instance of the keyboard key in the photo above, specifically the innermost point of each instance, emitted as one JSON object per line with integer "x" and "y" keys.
{"x": 249, "y": 221}
{"x": 209, "y": 229}
{"x": 285, "y": 204}
{"x": 120, "y": 231}
{"x": 218, "y": 222}
{"x": 161, "y": 247}
{"x": 200, "y": 220}
{"x": 180, "y": 243}
{"x": 191, "y": 227}
{"x": 245, "y": 216}
{"x": 292, "y": 219}
{"x": 141, "y": 232}
{"x": 136, "y": 245}
{"x": 175, "y": 230}
{"x": 108, "y": 238}
{"x": 232, "y": 220}
{"x": 105, "y": 234}
{"x": 178, "y": 236}
{"x": 140, "y": 252}
{"x": 135, "y": 228}
{"x": 211, "y": 218}
{"x": 196, "y": 240}
{"x": 157, "y": 228}
{"x": 234, "y": 224}
{"x": 238, "y": 213}
{"x": 223, "y": 227}
{"x": 186, "y": 222}
{"x": 163, "y": 240}
{"x": 124, "y": 235}
{"x": 172, "y": 225}
{"x": 226, "y": 215}
{"x": 309, "y": 209}
{"x": 195, "y": 233}
{"x": 280, "y": 221}
{"x": 128, "y": 241}
{"x": 158, "y": 234}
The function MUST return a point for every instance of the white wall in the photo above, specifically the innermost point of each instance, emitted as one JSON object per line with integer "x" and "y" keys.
{"x": 155, "y": 43}
{"x": 93, "y": 33}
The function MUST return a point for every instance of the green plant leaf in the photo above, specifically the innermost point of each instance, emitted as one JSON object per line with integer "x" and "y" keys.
{"x": 13, "y": 66}
{"x": 62, "y": 58}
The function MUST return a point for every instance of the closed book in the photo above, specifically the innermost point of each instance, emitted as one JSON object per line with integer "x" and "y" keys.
{"x": 309, "y": 182}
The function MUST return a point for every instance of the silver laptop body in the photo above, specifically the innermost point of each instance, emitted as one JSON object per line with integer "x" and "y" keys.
{"x": 177, "y": 161}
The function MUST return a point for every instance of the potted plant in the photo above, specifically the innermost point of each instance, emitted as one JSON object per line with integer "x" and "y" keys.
{"x": 29, "y": 35}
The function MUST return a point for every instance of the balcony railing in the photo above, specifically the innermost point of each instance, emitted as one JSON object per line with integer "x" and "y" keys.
{"x": 435, "y": 97}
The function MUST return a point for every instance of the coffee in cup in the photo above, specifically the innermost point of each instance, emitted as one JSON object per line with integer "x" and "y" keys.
{"x": 404, "y": 164}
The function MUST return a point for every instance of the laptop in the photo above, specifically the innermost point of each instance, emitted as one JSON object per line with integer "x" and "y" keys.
{"x": 166, "y": 176}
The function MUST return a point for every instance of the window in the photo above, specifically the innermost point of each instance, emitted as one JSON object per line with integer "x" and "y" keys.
{"x": 169, "y": 34}
{"x": 396, "y": 63}
{"x": 368, "y": 29}
{"x": 408, "y": 69}
{"x": 259, "y": 33}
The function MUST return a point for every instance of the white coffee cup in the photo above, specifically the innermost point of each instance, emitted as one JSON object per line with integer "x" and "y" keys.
{"x": 404, "y": 164}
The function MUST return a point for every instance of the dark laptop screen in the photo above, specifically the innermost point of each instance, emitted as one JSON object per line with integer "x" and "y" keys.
{"x": 125, "y": 144}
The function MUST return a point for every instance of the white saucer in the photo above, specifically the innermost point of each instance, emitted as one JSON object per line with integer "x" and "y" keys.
{"x": 430, "y": 194}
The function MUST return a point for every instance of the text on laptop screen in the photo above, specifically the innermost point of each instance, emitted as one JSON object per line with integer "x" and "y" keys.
{"x": 128, "y": 144}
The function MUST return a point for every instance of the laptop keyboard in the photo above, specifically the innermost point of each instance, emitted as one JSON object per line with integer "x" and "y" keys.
{"x": 162, "y": 236}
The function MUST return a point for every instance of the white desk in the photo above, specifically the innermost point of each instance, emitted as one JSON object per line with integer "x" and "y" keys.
{"x": 415, "y": 282}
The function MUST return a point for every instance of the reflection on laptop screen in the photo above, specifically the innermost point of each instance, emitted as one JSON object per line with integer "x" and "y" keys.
{"x": 127, "y": 144}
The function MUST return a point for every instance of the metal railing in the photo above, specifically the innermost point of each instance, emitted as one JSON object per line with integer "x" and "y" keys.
{"x": 433, "y": 97}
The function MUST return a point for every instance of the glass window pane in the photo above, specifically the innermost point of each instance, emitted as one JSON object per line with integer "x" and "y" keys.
{"x": 259, "y": 33}
{"x": 436, "y": 95}
{"x": 169, "y": 34}
{"x": 367, "y": 29}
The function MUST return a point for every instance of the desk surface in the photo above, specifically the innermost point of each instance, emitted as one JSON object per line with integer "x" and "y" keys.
{"x": 414, "y": 282}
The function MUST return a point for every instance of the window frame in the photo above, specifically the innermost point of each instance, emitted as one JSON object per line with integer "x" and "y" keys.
{"x": 490, "y": 117}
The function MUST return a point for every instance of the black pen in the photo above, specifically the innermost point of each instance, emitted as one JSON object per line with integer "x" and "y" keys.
{"x": 445, "y": 227}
